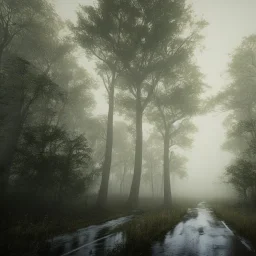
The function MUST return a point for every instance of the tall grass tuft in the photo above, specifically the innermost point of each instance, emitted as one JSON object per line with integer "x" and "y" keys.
{"x": 242, "y": 220}
{"x": 141, "y": 232}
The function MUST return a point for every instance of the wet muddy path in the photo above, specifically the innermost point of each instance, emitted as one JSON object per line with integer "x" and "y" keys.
{"x": 200, "y": 233}
{"x": 95, "y": 240}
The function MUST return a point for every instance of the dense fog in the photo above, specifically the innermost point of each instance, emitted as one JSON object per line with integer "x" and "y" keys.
{"x": 128, "y": 100}
{"x": 127, "y": 127}
{"x": 206, "y": 159}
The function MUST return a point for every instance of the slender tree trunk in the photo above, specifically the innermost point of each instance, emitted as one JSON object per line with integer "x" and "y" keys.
{"x": 152, "y": 182}
{"x": 103, "y": 192}
{"x": 167, "y": 182}
{"x": 122, "y": 180}
{"x": 125, "y": 169}
{"x": 135, "y": 187}
{"x": 120, "y": 186}
{"x": 162, "y": 185}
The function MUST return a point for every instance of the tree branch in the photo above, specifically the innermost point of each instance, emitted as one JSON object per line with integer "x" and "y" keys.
{"x": 151, "y": 92}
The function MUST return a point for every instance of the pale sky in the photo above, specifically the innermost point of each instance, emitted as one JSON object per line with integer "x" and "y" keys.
{"x": 229, "y": 21}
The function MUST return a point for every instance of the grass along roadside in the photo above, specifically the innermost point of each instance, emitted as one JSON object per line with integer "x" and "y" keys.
{"x": 27, "y": 238}
{"x": 141, "y": 232}
{"x": 241, "y": 220}
{"x": 22, "y": 235}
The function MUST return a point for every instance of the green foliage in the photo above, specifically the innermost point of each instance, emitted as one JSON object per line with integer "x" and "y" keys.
{"x": 241, "y": 174}
{"x": 139, "y": 41}
{"x": 143, "y": 37}
{"x": 178, "y": 165}
{"x": 22, "y": 21}
{"x": 238, "y": 96}
{"x": 177, "y": 97}
{"x": 51, "y": 163}
{"x": 238, "y": 100}
{"x": 46, "y": 103}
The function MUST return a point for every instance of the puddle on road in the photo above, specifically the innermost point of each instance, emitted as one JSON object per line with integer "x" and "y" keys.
{"x": 200, "y": 234}
{"x": 82, "y": 243}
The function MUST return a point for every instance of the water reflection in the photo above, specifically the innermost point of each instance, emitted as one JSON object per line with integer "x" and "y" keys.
{"x": 94, "y": 240}
{"x": 200, "y": 234}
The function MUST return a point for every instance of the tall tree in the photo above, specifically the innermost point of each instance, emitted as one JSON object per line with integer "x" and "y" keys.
{"x": 241, "y": 175}
{"x": 152, "y": 160}
{"x": 145, "y": 37}
{"x": 50, "y": 160}
{"x": 156, "y": 44}
{"x": 91, "y": 33}
{"x": 33, "y": 59}
{"x": 176, "y": 100}
{"x": 237, "y": 99}
{"x": 122, "y": 153}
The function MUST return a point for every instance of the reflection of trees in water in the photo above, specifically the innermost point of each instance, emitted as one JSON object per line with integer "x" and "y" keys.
{"x": 100, "y": 245}
{"x": 84, "y": 241}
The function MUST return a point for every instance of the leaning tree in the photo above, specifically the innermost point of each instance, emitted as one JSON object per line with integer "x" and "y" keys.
{"x": 92, "y": 33}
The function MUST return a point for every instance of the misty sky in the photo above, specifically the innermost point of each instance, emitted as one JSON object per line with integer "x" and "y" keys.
{"x": 229, "y": 21}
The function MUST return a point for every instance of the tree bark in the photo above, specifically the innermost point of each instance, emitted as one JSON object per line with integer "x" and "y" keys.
{"x": 135, "y": 187}
{"x": 103, "y": 192}
{"x": 167, "y": 182}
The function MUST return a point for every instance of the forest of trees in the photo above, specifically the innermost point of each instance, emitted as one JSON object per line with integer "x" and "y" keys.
{"x": 55, "y": 150}
{"x": 64, "y": 165}
{"x": 238, "y": 100}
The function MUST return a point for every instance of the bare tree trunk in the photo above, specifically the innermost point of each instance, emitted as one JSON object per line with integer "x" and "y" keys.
{"x": 167, "y": 182}
{"x": 162, "y": 185}
{"x": 120, "y": 186}
{"x": 133, "y": 199}
{"x": 122, "y": 179}
{"x": 152, "y": 182}
{"x": 103, "y": 192}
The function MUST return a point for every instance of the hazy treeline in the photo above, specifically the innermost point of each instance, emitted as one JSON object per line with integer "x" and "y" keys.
{"x": 54, "y": 149}
{"x": 238, "y": 100}
{"x": 144, "y": 54}
{"x": 46, "y": 106}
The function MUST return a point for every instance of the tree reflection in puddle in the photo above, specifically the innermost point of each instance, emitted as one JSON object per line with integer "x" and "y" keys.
{"x": 82, "y": 242}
